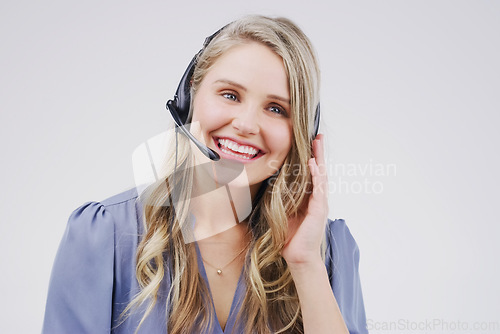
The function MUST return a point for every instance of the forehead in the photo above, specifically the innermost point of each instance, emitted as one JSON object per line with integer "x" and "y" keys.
{"x": 254, "y": 66}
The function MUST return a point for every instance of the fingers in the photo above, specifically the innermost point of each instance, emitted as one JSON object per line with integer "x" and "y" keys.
{"x": 319, "y": 179}
{"x": 317, "y": 167}
{"x": 319, "y": 151}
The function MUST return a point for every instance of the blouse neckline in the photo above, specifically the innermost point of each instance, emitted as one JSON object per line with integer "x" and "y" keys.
{"x": 237, "y": 297}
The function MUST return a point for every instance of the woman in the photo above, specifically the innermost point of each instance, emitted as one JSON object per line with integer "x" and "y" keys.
{"x": 186, "y": 258}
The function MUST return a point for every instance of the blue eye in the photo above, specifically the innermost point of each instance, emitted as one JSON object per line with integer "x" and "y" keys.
{"x": 230, "y": 96}
{"x": 278, "y": 110}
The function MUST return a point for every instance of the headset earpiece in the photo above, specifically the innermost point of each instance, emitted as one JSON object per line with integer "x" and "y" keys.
{"x": 316, "y": 121}
{"x": 182, "y": 97}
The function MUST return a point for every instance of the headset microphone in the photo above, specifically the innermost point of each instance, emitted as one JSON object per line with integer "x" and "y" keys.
{"x": 208, "y": 152}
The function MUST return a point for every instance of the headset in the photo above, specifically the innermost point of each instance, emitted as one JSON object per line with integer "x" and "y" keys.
{"x": 180, "y": 105}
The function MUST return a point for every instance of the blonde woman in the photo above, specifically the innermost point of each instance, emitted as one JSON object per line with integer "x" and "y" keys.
{"x": 184, "y": 256}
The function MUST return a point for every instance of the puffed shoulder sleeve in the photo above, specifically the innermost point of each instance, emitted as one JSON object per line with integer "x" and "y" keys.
{"x": 342, "y": 261}
{"x": 81, "y": 284}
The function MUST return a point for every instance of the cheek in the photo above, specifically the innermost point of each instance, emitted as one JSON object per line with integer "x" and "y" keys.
{"x": 281, "y": 140}
{"x": 208, "y": 113}
{"x": 202, "y": 120}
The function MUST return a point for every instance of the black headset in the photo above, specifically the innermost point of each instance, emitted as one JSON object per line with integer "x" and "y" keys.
{"x": 180, "y": 105}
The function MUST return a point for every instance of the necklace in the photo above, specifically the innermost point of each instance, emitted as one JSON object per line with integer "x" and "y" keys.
{"x": 219, "y": 269}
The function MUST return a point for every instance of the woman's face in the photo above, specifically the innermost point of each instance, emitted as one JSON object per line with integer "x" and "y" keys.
{"x": 243, "y": 109}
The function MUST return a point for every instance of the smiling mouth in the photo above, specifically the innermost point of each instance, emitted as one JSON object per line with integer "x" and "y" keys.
{"x": 236, "y": 150}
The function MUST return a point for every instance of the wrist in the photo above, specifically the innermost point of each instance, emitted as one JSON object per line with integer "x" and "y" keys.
{"x": 313, "y": 264}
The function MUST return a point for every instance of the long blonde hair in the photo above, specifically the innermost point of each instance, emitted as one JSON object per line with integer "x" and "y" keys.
{"x": 271, "y": 303}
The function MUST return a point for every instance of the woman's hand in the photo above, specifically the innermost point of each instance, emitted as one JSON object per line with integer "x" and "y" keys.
{"x": 307, "y": 229}
{"x": 320, "y": 311}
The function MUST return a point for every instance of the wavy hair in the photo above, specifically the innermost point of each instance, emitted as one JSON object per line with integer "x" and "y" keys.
{"x": 271, "y": 303}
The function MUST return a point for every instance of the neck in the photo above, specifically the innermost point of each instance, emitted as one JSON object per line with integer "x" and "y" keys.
{"x": 218, "y": 208}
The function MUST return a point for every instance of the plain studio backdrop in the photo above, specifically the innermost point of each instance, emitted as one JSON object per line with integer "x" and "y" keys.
{"x": 410, "y": 108}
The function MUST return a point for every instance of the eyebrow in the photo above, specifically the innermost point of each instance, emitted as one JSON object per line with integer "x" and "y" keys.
{"x": 276, "y": 97}
{"x": 232, "y": 83}
{"x": 243, "y": 88}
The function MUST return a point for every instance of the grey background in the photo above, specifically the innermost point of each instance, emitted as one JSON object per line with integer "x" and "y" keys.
{"x": 408, "y": 84}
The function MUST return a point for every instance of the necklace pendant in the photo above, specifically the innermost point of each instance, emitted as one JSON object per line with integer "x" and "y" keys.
{"x": 219, "y": 272}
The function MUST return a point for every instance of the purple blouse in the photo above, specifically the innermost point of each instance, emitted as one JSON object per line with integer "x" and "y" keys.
{"x": 93, "y": 278}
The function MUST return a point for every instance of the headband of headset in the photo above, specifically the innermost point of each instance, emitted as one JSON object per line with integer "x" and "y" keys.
{"x": 180, "y": 105}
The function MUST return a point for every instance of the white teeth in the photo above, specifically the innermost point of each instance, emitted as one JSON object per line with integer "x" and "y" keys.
{"x": 234, "y": 154}
{"x": 228, "y": 146}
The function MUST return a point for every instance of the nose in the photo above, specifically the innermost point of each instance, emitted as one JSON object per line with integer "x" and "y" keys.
{"x": 246, "y": 122}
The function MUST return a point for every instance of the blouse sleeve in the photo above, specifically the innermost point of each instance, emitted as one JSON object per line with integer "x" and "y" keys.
{"x": 342, "y": 261}
{"x": 81, "y": 284}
